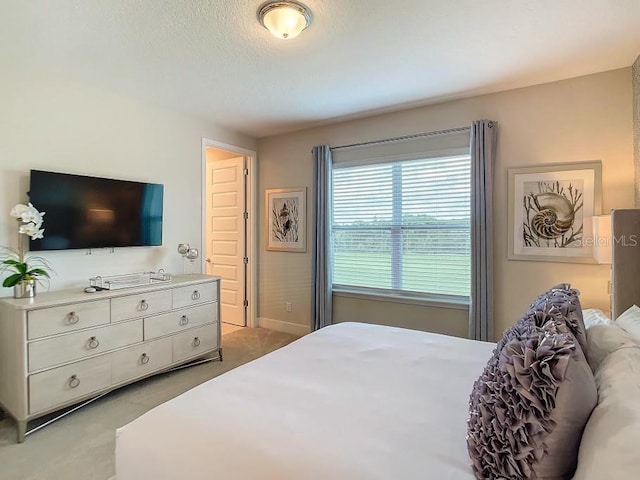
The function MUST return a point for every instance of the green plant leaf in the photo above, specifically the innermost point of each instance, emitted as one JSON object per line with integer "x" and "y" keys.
{"x": 12, "y": 280}
{"x": 40, "y": 262}
{"x": 35, "y": 272}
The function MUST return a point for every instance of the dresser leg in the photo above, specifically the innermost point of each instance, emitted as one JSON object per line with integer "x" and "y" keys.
{"x": 220, "y": 353}
{"x": 21, "y": 428}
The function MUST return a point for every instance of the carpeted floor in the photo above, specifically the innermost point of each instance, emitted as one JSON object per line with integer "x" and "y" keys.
{"x": 81, "y": 445}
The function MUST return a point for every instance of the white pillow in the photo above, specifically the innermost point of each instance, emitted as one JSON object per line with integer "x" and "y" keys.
{"x": 593, "y": 316}
{"x": 602, "y": 340}
{"x": 629, "y": 320}
{"x": 609, "y": 446}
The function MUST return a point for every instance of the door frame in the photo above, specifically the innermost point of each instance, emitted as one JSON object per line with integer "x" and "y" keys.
{"x": 252, "y": 224}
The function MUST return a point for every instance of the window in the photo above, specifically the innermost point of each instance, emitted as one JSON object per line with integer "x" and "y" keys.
{"x": 403, "y": 226}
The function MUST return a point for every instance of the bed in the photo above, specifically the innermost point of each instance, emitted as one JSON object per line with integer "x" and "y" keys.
{"x": 357, "y": 401}
{"x": 351, "y": 401}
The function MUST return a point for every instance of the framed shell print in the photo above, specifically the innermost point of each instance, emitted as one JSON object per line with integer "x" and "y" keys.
{"x": 551, "y": 210}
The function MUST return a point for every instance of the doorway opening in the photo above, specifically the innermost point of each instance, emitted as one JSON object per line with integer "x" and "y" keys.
{"x": 229, "y": 229}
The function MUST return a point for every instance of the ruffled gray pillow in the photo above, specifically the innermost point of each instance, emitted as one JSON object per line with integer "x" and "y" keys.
{"x": 567, "y": 302}
{"x": 530, "y": 323}
{"x": 530, "y": 405}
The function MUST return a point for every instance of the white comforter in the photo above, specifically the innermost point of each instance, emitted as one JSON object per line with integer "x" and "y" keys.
{"x": 351, "y": 401}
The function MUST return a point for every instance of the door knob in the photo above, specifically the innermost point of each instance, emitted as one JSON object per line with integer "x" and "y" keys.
{"x": 208, "y": 260}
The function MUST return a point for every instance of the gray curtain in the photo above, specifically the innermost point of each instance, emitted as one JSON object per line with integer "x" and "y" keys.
{"x": 322, "y": 303}
{"x": 483, "y": 143}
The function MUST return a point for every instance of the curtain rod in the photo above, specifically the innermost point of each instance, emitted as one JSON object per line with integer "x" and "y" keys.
{"x": 405, "y": 137}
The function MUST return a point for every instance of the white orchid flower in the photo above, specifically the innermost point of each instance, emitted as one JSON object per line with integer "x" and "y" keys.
{"x": 18, "y": 210}
{"x": 31, "y": 219}
{"x": 31, "y": 229}
{"x": 28, "y": 229}
{"x": 32, "y": 216}
{"x": 35, "y": 210}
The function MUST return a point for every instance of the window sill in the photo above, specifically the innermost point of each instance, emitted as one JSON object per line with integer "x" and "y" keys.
{"x": 426, "y": 300}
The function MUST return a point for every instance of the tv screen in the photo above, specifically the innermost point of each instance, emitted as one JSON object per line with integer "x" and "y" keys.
{"x": 92, "y": 212}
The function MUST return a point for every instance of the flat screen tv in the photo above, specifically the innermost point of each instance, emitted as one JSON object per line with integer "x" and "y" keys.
{"x": 93, "y": 212}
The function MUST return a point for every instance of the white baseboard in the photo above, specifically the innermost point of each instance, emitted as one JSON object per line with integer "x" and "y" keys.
{"x": 282, "y": 326}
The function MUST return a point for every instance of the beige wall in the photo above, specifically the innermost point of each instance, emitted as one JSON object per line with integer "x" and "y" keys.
{"x": 586, "y": 118}
{"x": 636, "y": 127}
{"x": 58, "y": 124}
{"x": 447, "y": 321}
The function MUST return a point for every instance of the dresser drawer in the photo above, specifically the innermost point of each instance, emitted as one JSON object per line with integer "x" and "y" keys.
{"x": 50, "y": 321}
{"x": 195, "y": 294}
{"x": 63, "y": 384}
{"x": 74, "y": 346}
{"x": 179, "y": 320}
{"x": 141, "y": 305}
{"x": 139, "y": 360}
{"x": 195, "y": 341}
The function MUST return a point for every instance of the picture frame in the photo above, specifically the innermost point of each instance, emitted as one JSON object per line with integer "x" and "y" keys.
{"x": 286, "y": 222}
{"x": 551, "y": 210}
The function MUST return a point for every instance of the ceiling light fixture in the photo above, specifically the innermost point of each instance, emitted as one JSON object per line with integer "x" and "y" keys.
{"x": 284, "y": 19}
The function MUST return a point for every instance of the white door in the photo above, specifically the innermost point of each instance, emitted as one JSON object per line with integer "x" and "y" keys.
{"x": 225, "y": 235}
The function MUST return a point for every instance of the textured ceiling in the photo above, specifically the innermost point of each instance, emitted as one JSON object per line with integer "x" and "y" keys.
{"x": 211, "y": 58}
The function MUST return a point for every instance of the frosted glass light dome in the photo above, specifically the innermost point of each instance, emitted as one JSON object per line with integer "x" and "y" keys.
{"x": 285, "y": 19}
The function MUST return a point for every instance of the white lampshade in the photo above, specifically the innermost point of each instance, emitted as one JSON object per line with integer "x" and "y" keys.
{"x": 602, "y": 246}
{"x": 286, "y": 19}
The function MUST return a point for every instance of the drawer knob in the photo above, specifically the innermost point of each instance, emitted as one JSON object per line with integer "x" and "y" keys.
{"x": 72, "y": 318}
{"x": 144, "y": 359}
{"x": 74, "y": 381}
{"x": 93, "y": 343}
{"x": 195, "y": 295}
{"x": 196, "y": 342}
{"x": 143, "y": 306}
{"x": 184, "y": 320}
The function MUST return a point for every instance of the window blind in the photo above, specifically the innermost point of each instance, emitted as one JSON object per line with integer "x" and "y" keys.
{"x": 403, "y": 226}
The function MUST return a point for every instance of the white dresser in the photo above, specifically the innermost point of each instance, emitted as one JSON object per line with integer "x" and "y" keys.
{"x": 67, "y": 346}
